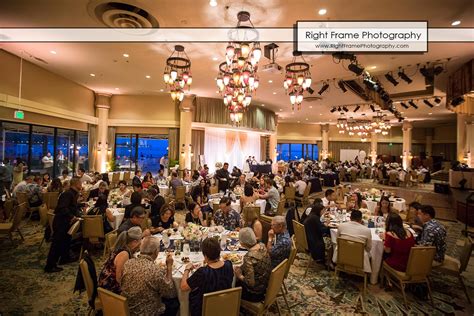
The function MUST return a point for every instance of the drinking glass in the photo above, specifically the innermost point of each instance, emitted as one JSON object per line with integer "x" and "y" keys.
{"x": 186, "y": 249}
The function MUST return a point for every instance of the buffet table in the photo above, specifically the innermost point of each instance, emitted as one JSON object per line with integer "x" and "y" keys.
{"x": 261, "y": 168}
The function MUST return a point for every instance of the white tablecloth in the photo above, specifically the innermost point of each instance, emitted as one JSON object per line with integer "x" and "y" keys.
{"x": 178, "y": 270}
{"x": 236, "y": 205}
{"x": 375, "y": 253}
{"x": 165, "y": 190}
{"x": 119, "y": 214}
{"x": 398, "y": 204}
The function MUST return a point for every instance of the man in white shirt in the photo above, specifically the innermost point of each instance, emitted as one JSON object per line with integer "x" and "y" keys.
{"x": 48, "y": 163}
{"x": 81, "y": 173}
{"x": 356, "y": 231}
{"x": 329, "y": 196}
{"x": 300, "y": 186}
{"x": 22, "y": 186}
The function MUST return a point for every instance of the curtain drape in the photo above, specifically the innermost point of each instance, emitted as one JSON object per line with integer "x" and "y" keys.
{"x": 173, "y": 143}
{"x": 209, "y": 110}
{"x": 92, "y": 146}
{"x": 197, "y": 140}
{"x": 111, "y": 140}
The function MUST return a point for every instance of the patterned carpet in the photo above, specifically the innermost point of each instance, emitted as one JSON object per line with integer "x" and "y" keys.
{"x": 26, "y": 290}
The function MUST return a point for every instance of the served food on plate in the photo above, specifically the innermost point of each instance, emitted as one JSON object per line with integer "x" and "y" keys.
{"x": 185, "y": 259}
{"x": 235, "y": 258}
{"x": 233, "y": 235}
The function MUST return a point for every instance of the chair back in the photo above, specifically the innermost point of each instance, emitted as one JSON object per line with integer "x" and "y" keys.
{"x": 126, "y": 176}
{"x": 21, "y": 197}
{"x": 420, "y": 262}
{"x": 113, "y": 304}
{"x": 43, "y": 214}
{"x": 51, "y": 199}
{"x": 466, "y": 253}
{"x": 87, "y": 278}
{"x": 19, "y": 214}
{"x": 110, "y": 239}
{"x": 50, "y": 220}
{"x": 342, "y": 174}
{"x": 266, "y": 226}
{"x": 290, "y": 193}
{"x": 353, "y": 175}
{"x": 281, "y": 207}
{"x": 300, "y": 237}
{"x": 146, "y": 223}
{"x": 250, "y": 213}
{"x": 350, "y": 254}
{"x": 368, "y": 172}
{"x": 292, "y": 256}
{"x": 421, "y": 177}
{"x": 307, "y": 190}
{"x": 92, "y": 226}
{"x": 215, "y": 303}
{"x": 116, "y": 177}
{"x": 180, "y": 193}
{"x": 393, "y": 177}
{"x": 275, "y": 283}
{"x": 213, "y": 190}
{"x": 8, "y": 208}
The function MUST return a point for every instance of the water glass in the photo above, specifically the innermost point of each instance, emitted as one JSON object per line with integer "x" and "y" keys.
{"x": 186, "y": 249}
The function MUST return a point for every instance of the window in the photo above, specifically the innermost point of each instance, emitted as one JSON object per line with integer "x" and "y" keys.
{"x": 297, "y": 151}
{"x": 42, "y": 145}
{"x": 125, "y": 151}
{"x": 82, "y": 151}
{"x": 16, "y": 141}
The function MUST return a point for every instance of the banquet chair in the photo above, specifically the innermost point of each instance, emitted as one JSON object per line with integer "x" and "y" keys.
{"x": 304, "y": 199}
{"x": 454, "y": 267}
{"x": 342, "y": 175}
{"x": 115, "y": 179}
{"x": 350, "y": 259}
{"x": 274, "y": 286}
{"x": 290, "y": 194}
{"x": 301, "y": 242}
{"x": 266, "y": 226}
{"x": 291, "y": 260}
{"x": 180, "y": 196}
{"x": 406, "y": 180}
{"x": 368, "y": 172}
{"x": 92, "y": 230}
{"x": 8, "y": 208}
{"x": 353, "y": 176}
{"x": 393, "y": 179}
{"x": 213, "y": 190}
{"x": 110, "y": 239}
{"x": 112, "y": 304}
{"x": 421, "y": 179}
{"x": 43, "y": 213}
{"x": 51, "y": 199}
{"x": 281, "y": 207}
{"x": 22, "y": 197}
{"x": 14, "y": 226}
{"x": 413, "y": 178}
{"x": 89, "y": 285}
{"x": 418, "y": 268}
{"x": 126, "y": 177}
{"x": 215, "y": 303}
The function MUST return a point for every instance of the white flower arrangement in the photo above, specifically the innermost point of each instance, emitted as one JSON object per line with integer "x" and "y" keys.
{"x": 238, "y": 190}
{"x": 218, "y": 165}
{"x": 115, "y": 198}
{"x": 192, "y": 232}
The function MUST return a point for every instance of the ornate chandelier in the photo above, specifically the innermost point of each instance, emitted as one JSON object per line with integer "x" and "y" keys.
{"x": 362, "y": 128}
{"x": 237, "y": 78}
{"x": 297, "y": 80}
{"x": 177, "y": 74}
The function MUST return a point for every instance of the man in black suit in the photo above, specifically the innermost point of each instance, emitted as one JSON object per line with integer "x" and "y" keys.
{"x": 65, "y": 214}
{"x": 222, "y": 175}
{"x": 136, "y": 181}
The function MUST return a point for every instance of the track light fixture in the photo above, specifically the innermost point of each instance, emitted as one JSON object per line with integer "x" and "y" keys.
{"x": 333, "y": 110}
{"x": 390, "y": 78}
{"x": 404, "y": 77}
{"x": 457, "y": 101}
{"x": 413, "y": 104}
{"x": 341, "y": 85}
{"x": 428, "y": 103}
{"x": 356, "y": 69}
{"x": 437, "y": 100}
{"x": 345, "y": 109}
{"x": 404, "y": 105}
{"x": 323, "y": 88}
{"x": 339, "y": 109}
{"x": 357, "y": 108}
{"x": 372, "y": 107}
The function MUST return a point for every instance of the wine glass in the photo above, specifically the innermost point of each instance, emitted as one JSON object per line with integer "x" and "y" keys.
{"x": 166, "y": 243}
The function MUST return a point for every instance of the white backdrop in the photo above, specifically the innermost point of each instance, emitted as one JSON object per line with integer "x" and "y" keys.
{"x": 222, "y": 145}
{"x": 349, "y": 154}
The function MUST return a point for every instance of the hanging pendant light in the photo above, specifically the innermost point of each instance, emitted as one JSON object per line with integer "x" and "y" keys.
{"x": 177, "y": 74}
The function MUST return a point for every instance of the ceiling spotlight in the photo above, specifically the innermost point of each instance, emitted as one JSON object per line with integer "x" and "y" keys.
{"x": 371, "y": 84}
{"x": 148, "y": 76}
{"x": 339, "y": 109}
{"x": 345, "y": 109}
{"x": 413, "y": 104}
{"x": 372, "y": 107}
{"x": 322, "y": 11}
{"x": 213, "y": 3}
{"x": 323, "y": 88}
{"x": 437, "y": 100}
{"x": 332, "y": 111}
{"x": 92, "y": 75}
{"x": 126, "y": 55}
{"x": 457, "y": 101}
{"x": 310, "y": 90}
{"x": 401, "y": 119}
{"x": 390, "y": 78}
{"x": 404, "y": 77}
{"x": 428, "y": 103}
{"x": 117, "y": 88}
{"x": 404, "y": 105}
{"x": 357, "y": 108}
{"x": 438, "y": 70}
{"x": 456, "y": 23}
{"x": 53, "y": 52}
{"x": 355, "y": 69}
{"x": 341, "y": 85}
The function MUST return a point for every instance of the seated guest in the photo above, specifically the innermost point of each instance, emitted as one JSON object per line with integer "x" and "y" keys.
{"x": 175, "y": 182}
{"x": 157, "y": 202}
{"x": 136, "y": 181}
{"x": 34, "y": 192}
{"x": 356, "y": 202}
{"x": 101, "y": 208}
{"x": 122, "y": 190}
{"x": 384, "y": 208}
{"x": 200, "y": 195}
{"x": 241, "y": 182}
{"x": 64, "y": 176}
{"x": 102, "y": 189}
{"x": 21, "y": 186}
{"x": 412, "y": 218}
{"x": 136, "y": 219}
{"x": 226, "y": 216}
{"x": 127, "y": 243}
{"x": 46, "y": 180}
{"x": 55, "y": 186}
{"x": 315, "y": 230}
{"x": 148, "y": 286}
{"x": 137, "y": 187}
{"x": 215, "y": 275}
{"x": 136, "y": 200}
{"x": 161, "y": 176}
{"x": 279, "y": 242}
{"x": 272, "y": 197}
{"x": 251, "y": 220}
{"x": 398, "y": 242}
{"x": 187, "y": 176}
{"x": 434, "y": 234}
{"x": 164, "y": 221}
{"x": 300, "y": 186}
{"x": 147, "y": 180}
{"x": 249, "y": 197}
{"x": 194, "y": 215}
{"x": 254, "y": 274}
{"x": 329, "y": 198}
{"x": 85, "y": 178}
{"x": 356, "y": 231}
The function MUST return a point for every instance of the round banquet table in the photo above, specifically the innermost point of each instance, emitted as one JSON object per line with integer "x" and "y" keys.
{"x": 236, "y": 205}
{"x": 119, "y": 214}
{"x": 165, "y": 190}
{"x": 398, "y": 204}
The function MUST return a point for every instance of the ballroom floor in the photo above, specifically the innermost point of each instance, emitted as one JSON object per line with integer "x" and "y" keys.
{"x": 26, "y": 289}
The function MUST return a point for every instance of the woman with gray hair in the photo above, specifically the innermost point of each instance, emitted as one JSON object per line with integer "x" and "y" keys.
{"x": 127, "y": 243}
{"x": 254, "y": 274}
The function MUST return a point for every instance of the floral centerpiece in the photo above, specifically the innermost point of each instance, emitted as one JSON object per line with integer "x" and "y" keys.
{"x": 238, "y": 190}
{"x": 218, "y": 165}
{"x": 365, "y": 214}
{"x": 374, "y": 192}
{"x": 192, "y": 232}
{"x": 115, "y": 198}
{"x": 279, "y": 181}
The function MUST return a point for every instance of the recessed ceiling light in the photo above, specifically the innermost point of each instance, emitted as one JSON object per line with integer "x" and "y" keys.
{"x": 92, "y": 75}
{"x": 270, "y": 81}
{"x": 126, "y": 55}
{"x": 53, "y": 52}
{"x": 306, "y": 118}
{"x": 322, "y": 11}
{"x": 213, "y": 3}
{"x": 430, "y": 113}
{"x": 298, "y": 121}
{"x": 330, "y": 120}
{"x": 320, "y": 113}
{"x": 217, "y": 92}
{"x": 293, "y": 112}
{"x": 310, "y": 106}
{"x": 281, "y": 110}
{"x": 215, "y": 58}
{"x": 274, "y": 93}
{"x": 148, "y": 76}
{"x": 263, "y": 104}
{"x": 455, "y": 23}
{"x": 373, "y": 67}
{"x": 117, "y": 88}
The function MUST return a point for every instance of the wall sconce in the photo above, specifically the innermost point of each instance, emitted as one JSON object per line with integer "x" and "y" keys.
{"x": 99, "y": 146}
{"x": 191, "y": 153}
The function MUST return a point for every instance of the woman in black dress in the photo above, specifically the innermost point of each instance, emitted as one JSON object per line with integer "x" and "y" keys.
{"x": 163, "y": 221}
{"x": 194, "y": 215}
{"x": 315, "y": 230}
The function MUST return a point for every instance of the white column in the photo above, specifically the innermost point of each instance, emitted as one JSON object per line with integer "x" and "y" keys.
{"x": 470, "y": 144}
{"x": 373, "y": 147}
{"x": 461, "y": 136}
{"x": 325, "y": 141}
{"x": 407, "y": 138}
{"x": 102, "y": 105}
{"x": 185, "y": 133}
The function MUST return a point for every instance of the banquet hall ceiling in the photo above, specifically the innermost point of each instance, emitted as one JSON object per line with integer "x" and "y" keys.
{"x": 77, "y": 61}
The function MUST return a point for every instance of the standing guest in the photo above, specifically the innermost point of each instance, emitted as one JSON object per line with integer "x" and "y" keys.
{"x": 137, "y": 216}
{"x": 175, "y": 182}
{"x": 329, "y": 197}
{"x": 81, "y": 173}
{"x": 315, "y": 232}
{"x": 194, "y": 215}
{"x": 300, "y": 186}
{"x": 226, "y": 216}
{"x": 398, "y": 242}
{"x": 18, "y": 171}
{"x": 137, "y": 187}
{"x": 434, "y": 234}
{"x": 384, "y": 208}
{"x": 165, "y": 220}
{"x": 254, "y": 274}
{"x": 65, "y": 215}
{"x": 215, "y": 275}
{"x": 55, "y": 186}
{"x": 136, "y": 181}
{"x": 223, "y": 176}
{"x": 47, "y": 161}
{"x": 122, "y": 190}
{"x": 149, "y": 287}
{"x": 135, "y": 200}
{"x": 61, "y": 161}
{"x": 128, "y": 242}
{"x": 279, "y": 242}
{"x": 272, "y": 196}
{"x": 164, "y": 162}
{"x": 6, "y": 176}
